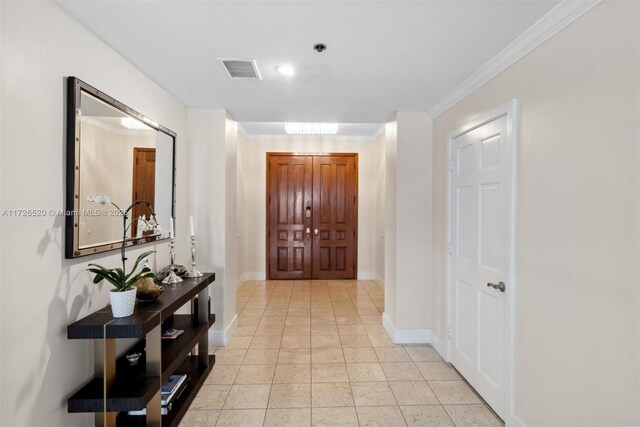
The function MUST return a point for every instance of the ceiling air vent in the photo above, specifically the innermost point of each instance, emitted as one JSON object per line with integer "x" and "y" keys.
{"x": 241, "y": 68}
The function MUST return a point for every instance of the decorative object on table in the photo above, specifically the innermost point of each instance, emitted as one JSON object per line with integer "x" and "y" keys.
{"x": 171, "y": 334}
{"x": 123, "y": 297}
{"x": 148, "y": 290}
{"x": 179, "y": 270}
{"x": 193, "y": 271}
{"x": 133, "y": 358}
{"x": 172, "y": 278}
{"x": 171, "y": 391}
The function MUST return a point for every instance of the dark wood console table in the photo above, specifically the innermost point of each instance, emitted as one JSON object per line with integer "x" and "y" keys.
{"x": 119, "y": 387}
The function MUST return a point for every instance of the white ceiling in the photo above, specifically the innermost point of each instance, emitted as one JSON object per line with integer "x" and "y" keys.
{"x": 382, "y": 56}
{"x": 347, "y": 131}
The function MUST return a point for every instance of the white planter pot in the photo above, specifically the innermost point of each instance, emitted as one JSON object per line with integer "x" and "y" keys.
{"x": 123, "y": 303}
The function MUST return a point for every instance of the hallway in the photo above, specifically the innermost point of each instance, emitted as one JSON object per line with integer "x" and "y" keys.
{"x": 315, "y": 353}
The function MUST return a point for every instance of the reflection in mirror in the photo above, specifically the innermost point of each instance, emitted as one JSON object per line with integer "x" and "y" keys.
{"x": 128, "y": 161}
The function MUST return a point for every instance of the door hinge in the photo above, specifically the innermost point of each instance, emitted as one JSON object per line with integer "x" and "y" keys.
{"x": 449, "y": 331}
{"x": 450, "y": 248}
{"x": 450, "y": 165}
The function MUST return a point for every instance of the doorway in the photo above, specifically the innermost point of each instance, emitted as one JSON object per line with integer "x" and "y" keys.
{"x": 312, "y": 216}
{"x": 144, "y": 184}
{"x": 481, "y": 255}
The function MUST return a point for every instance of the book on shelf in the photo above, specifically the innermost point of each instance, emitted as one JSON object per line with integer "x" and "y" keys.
{"x": 171, "y": 390}
{"x": 171, "y": 334}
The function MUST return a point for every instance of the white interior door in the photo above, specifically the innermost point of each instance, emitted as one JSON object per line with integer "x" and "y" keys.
{"x": 480, "y": 214}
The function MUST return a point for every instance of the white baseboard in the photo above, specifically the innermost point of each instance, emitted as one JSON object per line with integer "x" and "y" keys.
{"x": 250, "y": 276}
{"x": 379, "y": 280}
{"x": 413, "y": 336}
{"x": 222, "y": 338}
{"x": 366, "y": 275}
{"x": 513, "y": 421}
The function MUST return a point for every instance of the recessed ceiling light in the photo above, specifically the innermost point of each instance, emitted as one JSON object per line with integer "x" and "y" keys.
{"x": 311, "y": 128}
{"x": 287, "y": 70}
{"x": 131, "y": 123}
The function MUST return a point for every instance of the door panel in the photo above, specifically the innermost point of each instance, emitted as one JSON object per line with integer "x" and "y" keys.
{"x": 320, "y": 243}
{"x": 334, "y": 208}
{"x": 144, "y": 184}
{"x": 289, "y": 195}
{"x": 479, "y": 233}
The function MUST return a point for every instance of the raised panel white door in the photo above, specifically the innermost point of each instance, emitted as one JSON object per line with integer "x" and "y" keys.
{"x": 480, "y": 209}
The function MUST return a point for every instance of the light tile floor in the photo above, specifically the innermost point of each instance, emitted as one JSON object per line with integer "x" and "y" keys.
{"x": 315, "y": 353}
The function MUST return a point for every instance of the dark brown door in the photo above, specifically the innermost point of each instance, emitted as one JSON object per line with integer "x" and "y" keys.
{"x": 312, "y": 216}
{"x": 144, "y": 183}
{"x": 334, "y": 217}
{"x": 289, "y": 198}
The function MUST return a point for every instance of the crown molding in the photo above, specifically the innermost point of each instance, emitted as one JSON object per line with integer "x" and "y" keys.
{"x": 546, "y": 27}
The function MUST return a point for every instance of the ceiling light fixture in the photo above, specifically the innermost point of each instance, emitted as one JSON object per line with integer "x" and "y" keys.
{"x": 287, "y": 70}
{"x": 311, "y": 128}
{"x": 133, "y": 124}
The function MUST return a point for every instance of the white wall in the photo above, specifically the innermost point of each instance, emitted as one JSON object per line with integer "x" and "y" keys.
{"x": 41, "y": 291}
{"x": 252, "y": 172}
{"x": 213, "y": 141}
{"x": 408, "y": 225}
{"x": 577, "y": 235}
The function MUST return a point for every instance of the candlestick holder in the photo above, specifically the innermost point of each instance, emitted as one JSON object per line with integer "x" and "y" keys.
{"x": 193, "y": 272}
{"x": 172, "y": 278}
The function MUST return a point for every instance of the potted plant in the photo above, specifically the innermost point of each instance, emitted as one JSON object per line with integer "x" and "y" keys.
{"x": 123, "y": 296}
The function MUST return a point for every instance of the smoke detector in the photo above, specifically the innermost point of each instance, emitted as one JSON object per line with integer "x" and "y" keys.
{"x": 241, "y": 68}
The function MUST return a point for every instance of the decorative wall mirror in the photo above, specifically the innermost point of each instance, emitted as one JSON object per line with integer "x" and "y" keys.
{"x": 114, "y": 153}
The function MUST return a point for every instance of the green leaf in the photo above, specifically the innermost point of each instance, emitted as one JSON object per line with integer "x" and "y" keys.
{"x": 135, "y": 265}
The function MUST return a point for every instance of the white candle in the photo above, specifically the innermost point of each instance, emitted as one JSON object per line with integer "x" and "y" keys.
{"x": 193, "y": 233}
{"x": 171, "y": 232}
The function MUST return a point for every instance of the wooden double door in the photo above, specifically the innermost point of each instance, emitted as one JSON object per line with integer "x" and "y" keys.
{"x": 312, "y": 211}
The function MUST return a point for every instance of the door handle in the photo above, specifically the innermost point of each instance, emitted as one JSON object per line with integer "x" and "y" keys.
{"x": 308, "y": 231}
{"x": 500, "y": 286}
{"x": 315, "y": 231}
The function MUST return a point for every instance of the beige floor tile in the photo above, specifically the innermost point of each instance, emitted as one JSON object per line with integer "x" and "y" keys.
{"x": 211, "y": 396}
{"x": 273, "y": 320}
{"x": 239, "y": 343}
{"x": 290, "y": 396}
{"x": 298, "y": 321}
{"x": 413, "y": 393}
{"x": 296, "y": 341}
{"x": 392, "y": 354}
{"x": 266, "y": 330}
{"x": 365, "y": 372}
{"x": 297, "y": 330}
{"x": 261, "y": 356}
{"x": 325, "y": 341}
{"x": 423, "y": 354}
{"x": 348, "y": 320}
{"x": 401, "y": 371}
{"x": 268, "y": 341}
{"x": 331, "y": 395}
{"x": 294, "y": 356}
{"x": 359, "y": 355}
{"x": 245, "y": 331}
{"x": 250, "y": 396}
{"x": 249, "y": 320}
{"x": 373, "y": 394}
{"x": 322, "y": 320}
{"x": 453, "y": 392}
{"x": 380, "y": 416}
{"x": 288, "y": 417}
{"x": 200, "y": 418}
{"x": 343, "y": 417}
{"x": 437, "y": 371}
{"x": 324, "y": 330}
{"x": 355, "y": 341}
{"x": 381, "y": 341}
{"x": 229, "y": 357}
{"x": 255, "y": 374}
{"x": 472, "y": 415}
{"x": 222, "y": 374}
{"x": 427, "y": 415}
{"x": 371, "y": 319}
{"x": 241, "y": 418}
{"x": 288, "y": 374}
{"x": 327, "y": 355}
{"x": 351, "y": 330}
{"x": 375, "y": 329}
{"x": 329, "y": 373}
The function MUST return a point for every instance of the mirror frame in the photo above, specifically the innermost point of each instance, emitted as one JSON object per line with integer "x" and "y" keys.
{"x": 75, "y": 87}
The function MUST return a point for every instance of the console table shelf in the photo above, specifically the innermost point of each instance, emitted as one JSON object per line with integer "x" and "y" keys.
{"x": 135, "y": 388}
